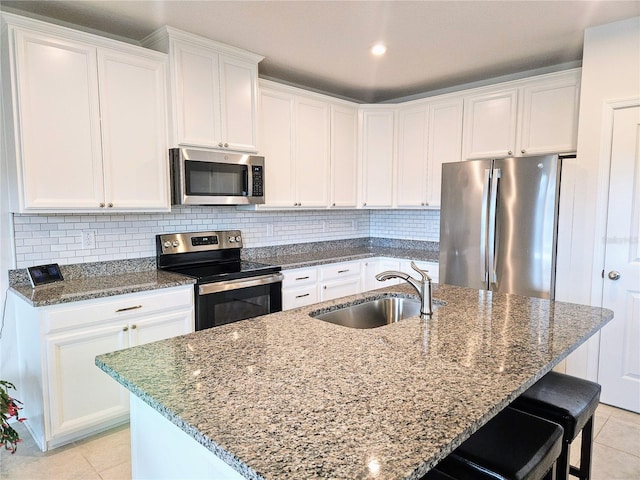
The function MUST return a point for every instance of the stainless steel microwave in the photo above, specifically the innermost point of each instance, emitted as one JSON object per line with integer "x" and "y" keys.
{"x": 207, "y": 177}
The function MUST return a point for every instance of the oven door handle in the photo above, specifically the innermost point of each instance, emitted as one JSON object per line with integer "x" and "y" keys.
{"x": 217, "y": 287}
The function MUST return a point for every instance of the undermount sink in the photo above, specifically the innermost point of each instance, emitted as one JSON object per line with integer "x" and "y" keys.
{"x": 372, "y": 313}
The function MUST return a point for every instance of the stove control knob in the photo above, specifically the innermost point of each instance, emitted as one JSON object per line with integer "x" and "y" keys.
{"x": 175, "y": 243}
{"x": 232, "y": 239}
{"x": 166, "y": 244}
{"x": 238, "y": 238}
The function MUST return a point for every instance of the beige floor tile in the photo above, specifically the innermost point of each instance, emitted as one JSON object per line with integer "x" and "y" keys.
{"x": 119, "y": 472}
{"x": 621, "y": 435}
{"x": 611, "y": 464}
{"x": 108, "y": 449}
{"x": 67, "y": 464}
{"x": 625, "y": 415}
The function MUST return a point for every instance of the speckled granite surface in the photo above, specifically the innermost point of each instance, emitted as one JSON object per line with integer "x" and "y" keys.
{"x": 287, "y": 396}
{"x": 318, "y": 253}
{"x": 85, "y": 288}
{"x": 102, "y": 279}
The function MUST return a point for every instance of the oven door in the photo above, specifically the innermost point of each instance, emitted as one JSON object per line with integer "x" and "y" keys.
{"x": 230, "y": 301}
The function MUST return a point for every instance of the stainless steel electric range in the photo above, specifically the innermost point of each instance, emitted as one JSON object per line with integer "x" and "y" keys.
{"x": 227, "y": 288}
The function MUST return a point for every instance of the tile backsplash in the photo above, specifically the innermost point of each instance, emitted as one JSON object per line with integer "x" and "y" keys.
{"x": 41, "y": 239}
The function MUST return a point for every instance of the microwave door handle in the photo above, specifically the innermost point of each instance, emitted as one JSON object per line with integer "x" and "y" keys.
{"x": 247, "y": 181}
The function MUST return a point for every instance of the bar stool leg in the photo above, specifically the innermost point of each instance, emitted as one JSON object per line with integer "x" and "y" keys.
{"x": 562, "y": 465}
{"x": 586, "y": 450}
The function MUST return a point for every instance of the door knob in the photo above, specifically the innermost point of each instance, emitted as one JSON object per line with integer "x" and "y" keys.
{"x": 613, "y": 275}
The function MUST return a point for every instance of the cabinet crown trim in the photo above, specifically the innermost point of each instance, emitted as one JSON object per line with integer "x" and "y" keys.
{"x": 160, "y": 36}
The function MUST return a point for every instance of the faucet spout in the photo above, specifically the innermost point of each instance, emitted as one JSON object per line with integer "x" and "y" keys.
{"x": 423, "y": 287}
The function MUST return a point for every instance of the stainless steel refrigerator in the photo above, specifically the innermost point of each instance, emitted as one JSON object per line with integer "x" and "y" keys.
{"x": 498, "y": 224}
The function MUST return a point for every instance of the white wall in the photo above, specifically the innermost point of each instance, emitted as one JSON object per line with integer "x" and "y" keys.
{"x": 610, "y": 71}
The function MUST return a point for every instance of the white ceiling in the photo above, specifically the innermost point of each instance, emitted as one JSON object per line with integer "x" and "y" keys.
{"x": 324, "y": 45}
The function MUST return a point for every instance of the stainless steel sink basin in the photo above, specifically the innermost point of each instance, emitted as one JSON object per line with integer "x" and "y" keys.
{"x": 372, "y": 313}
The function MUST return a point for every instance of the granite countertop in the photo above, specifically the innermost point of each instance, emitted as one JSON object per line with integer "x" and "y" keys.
{"x": 310, "y": 259}
{"x": 287, "y": 396}
{"x": 103, "y": 279}
{"x": 85, "y": 288}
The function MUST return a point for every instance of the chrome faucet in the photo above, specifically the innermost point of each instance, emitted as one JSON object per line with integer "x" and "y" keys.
{"x": 423, "y": 287}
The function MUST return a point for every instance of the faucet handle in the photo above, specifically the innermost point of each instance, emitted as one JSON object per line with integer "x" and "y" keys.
{"x": 425, "y": 276}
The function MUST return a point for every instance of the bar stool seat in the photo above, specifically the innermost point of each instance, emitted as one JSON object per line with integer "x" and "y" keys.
{"x": 571, "y": 403}
{"x": 513, "y": 445}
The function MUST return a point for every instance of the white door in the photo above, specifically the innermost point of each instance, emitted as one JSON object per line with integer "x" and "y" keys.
{"x": 412, "y": 157}
{"x": 619, "y": 366}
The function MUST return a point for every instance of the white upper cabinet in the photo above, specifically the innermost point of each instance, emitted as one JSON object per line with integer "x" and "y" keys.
{"x": 309, "y": 145}
{"x": 133, "y": 115}
{"x": 377, "y": 150}
{"x": 490, "y": 124}
{"x": 526, "y": 117}
{"x": 276, "y": 145}
{"x": 549, "y": 115}
{"x": 214, "y": 91}
{"x": 411, "y": 190}
{"x": 85, "y": 120}
{"x": 312, "y": 152}
{"x": 445, "y": 141}
{"x": 344, "y": 156}
{"x": 429, "y": 134}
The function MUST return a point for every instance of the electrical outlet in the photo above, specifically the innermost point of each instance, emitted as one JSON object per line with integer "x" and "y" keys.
{"x": 88, "y": 239}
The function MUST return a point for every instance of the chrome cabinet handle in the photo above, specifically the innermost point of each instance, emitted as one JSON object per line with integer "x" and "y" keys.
{"x": 300, "y": 296}
{"x": 343, "y": 271}
{"x": 110, "y": 205}
{"x": 101, "y": 204}
{"x": 510, "y": 152}
{"x": 133, "y": 327}
{"x": 523, "y": 151}
{"x": 613, "y": 275}
{"x": 302, "y": 278}
{"x": 125, "y": 329}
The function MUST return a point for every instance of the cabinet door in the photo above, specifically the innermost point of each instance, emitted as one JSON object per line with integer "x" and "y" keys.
{"x": 312, "y": 152}
{"x": 159, "y": 327}
{"x": 344, "y": 156}
{"x": 196, "y": 78}
{"x": 80, "y": 395}
{"x": 490, "y": 125}
{"x": 549, "y": 117}
{"x": 377, "y": 157}
{"x": 299, "y": 297}
{"x": 239, "y": 104}
{"x": 445, "y": 143}
{"x": 412, "y": 157}
{"x": 370, "y": 268}
{"x": 134, "y": 131}
{"x": 276, "y": 127}
{"x": 339, "y": 288}
{"x": 59, "y": 152}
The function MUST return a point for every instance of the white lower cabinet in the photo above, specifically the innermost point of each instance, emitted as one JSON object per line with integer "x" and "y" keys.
{"x": 299, "y": 287}
{"x": 305, "y": 286}
{"x": 339, "y": 280}
{"x": 374, "y": 266}
{"x": 66, "y": 396}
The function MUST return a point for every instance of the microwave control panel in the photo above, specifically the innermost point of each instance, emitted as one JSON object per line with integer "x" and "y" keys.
{"x": 258, "y": 181}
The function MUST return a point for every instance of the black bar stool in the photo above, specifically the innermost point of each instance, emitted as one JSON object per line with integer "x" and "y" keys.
{"x": 571, "y": 403}
{"x": 513, "y": 445}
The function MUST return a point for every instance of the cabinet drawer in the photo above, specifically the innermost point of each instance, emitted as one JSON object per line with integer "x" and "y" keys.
{"x": 299, "y": 297}
{"x": 86, "y": 312}
{"x": 339, "y": 270}
{"x": 339, "y": 288}
{"x": 299, "y": 276}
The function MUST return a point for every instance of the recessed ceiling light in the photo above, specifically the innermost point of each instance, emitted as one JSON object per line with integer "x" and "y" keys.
{"x": 379, "y": 49}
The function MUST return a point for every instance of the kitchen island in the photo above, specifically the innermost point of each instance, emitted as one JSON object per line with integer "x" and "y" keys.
{"x": 290, "y": 396}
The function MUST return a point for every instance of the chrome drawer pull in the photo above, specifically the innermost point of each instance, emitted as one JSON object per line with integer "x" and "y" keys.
{"x": 302, "y": 278}
{"x": 343, "y": 271}
{"x": 300, "y": 296}
{"x": 135, "y": 307}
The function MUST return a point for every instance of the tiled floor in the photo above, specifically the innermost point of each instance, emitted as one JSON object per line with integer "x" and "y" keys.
{"x": 616, "y": 453}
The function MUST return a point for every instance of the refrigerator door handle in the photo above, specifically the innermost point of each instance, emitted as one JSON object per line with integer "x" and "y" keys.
{"x": 484, "y": 226}
{"x": 492, "y": 229}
